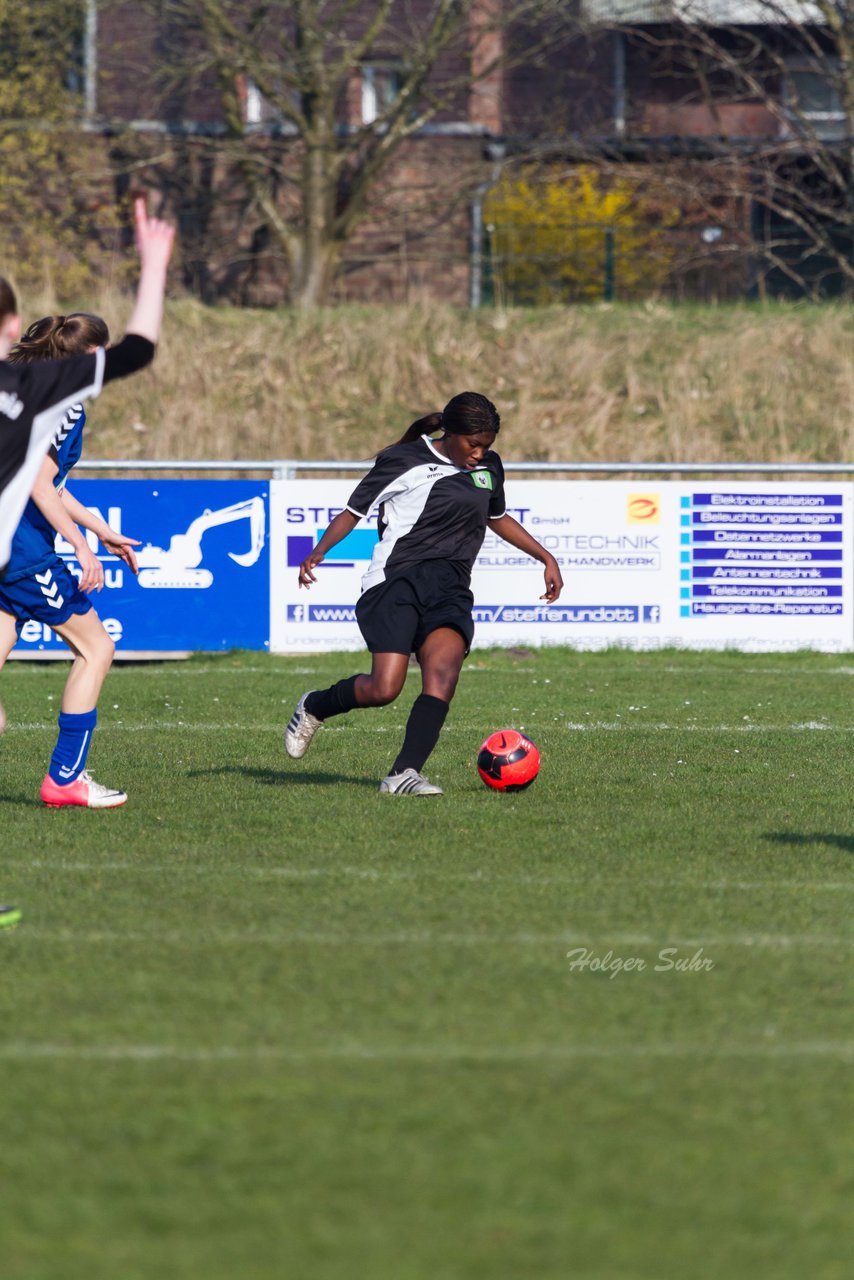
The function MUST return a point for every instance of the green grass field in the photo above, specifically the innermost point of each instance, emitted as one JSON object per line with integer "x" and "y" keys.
{"x": 264, "y": 1023}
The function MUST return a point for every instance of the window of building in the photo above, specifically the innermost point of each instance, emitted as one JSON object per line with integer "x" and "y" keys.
{"x": 813, "y": 99}
{"x": 382, "y": 83}
{"x": 253, "y": 104}
{"x": 257, "y": 110}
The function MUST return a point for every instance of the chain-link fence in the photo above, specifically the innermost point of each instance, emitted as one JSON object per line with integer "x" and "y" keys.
{"x": 583, "y": 262}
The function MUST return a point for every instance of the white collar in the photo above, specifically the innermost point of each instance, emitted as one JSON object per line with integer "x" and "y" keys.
{"x": 447, "y": 461}
{"x": 441, "y": 456}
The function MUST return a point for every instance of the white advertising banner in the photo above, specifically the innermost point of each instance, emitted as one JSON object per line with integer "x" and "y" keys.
{"x": 702, "y": 564}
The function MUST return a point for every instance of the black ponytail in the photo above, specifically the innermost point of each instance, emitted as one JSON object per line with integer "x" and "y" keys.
{"x": 423, "y": 427}
{"x": 467, "y": 414}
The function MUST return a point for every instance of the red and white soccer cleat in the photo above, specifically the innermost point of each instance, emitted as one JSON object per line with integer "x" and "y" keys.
{"x": 84, "y": 791}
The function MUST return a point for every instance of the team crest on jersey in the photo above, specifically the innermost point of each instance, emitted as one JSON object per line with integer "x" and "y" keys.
{"x": 483, "y": 479}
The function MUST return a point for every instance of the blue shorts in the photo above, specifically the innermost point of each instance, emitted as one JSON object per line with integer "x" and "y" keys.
{"x": 49, "y": 595}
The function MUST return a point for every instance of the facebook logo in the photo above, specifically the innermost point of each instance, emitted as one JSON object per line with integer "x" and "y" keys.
{"x": 321, "y": 613}
{"x": 652, "y": 613}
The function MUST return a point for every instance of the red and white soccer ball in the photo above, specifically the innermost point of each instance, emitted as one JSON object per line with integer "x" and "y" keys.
{"x": 508, "y": 761}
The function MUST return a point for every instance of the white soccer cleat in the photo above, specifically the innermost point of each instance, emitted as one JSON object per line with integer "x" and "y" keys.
{"x": 302, "y": 727}
{"x": 84, "y": 791}
{"x": 409, "y": 783}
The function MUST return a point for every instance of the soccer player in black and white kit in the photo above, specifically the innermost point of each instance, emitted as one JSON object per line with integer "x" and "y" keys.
{"x": 436, "y": 500}
{"x": 33, "y": 400}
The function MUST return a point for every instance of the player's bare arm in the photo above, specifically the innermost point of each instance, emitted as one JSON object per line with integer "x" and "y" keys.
{"x": 115, "y": 543}
{"x": 154, "y": 241}
{"x": 513, "y": 532}
{"x": 50, "y": 504}
{"x": 338, "y": 528}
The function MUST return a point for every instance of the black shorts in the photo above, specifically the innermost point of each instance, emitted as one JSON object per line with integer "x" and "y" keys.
{"x": 398, "y": 615}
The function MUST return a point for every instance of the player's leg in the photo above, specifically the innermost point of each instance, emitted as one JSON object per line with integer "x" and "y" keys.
{"x": 388, "y": 617}
{"x": 441, "y": 658}
{"x": 93, "y": 656}
{"x": 382, "y": 686}
{"x": 8, "y": 637}
{"x": 67, "y": 781}
{"x": 387, "y": 677}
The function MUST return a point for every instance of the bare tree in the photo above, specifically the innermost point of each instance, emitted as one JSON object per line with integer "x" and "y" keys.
{"x": 317, "y": 97}
{"x": 735, "y": 113}
{"x": 775, "y": 79}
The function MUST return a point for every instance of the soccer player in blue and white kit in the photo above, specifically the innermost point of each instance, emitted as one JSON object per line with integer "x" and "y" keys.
{"x": 37, "y": 583}
{"x": 436, "y": 498}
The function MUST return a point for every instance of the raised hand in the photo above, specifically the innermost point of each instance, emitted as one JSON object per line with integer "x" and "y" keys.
{"x": 154, "y": 237}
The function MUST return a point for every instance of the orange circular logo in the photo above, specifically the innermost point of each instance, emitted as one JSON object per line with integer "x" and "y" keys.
{"x": 643, "y": 509}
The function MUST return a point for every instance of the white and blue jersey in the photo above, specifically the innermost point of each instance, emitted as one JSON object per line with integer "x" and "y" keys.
{"x": 33, "y": 544}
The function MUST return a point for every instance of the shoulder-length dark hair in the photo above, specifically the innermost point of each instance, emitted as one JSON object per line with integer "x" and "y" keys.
{"x": 54, "y": 337}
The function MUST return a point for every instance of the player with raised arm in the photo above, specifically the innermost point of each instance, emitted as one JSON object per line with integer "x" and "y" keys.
{"x": 436, "y": 500}
{"x": 42, "y": 396}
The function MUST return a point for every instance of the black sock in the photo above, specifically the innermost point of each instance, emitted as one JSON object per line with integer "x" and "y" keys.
{"x": 422, "y": 732}
{"x": 334, "y": 701}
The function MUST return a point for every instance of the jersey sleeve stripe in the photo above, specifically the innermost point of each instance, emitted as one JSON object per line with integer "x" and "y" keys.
{"x": 98, "y": 384}
{"x": 69, "y": 421}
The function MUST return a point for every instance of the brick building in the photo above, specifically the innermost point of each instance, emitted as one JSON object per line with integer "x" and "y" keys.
{"x": 718, "y": 106}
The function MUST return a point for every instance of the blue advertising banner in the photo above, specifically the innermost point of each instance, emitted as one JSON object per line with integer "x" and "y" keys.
{"x": 204, "y": 566}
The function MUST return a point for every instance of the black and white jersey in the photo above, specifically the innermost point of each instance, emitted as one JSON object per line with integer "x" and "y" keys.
{"x": 33, "y": 399}
{"x": 428, "y": 508}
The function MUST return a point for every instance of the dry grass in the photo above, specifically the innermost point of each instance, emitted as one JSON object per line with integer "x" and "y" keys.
{"x": 600, "y": 383}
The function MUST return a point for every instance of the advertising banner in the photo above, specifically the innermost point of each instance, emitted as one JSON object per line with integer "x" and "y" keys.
{"x": 759, "y": 567}
{"x": 204, "y": 567}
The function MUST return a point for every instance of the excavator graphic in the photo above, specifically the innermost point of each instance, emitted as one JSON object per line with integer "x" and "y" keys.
{"x": 179, "y": 565}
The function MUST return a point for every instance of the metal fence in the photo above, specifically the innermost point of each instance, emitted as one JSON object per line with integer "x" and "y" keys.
{"x": 564, "y": 264}
{"x": 581, "y": 263}
{"x": 292, "y": 468}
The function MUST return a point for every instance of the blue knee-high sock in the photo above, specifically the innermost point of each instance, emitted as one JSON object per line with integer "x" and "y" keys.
{"x": 72, "y": 746}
